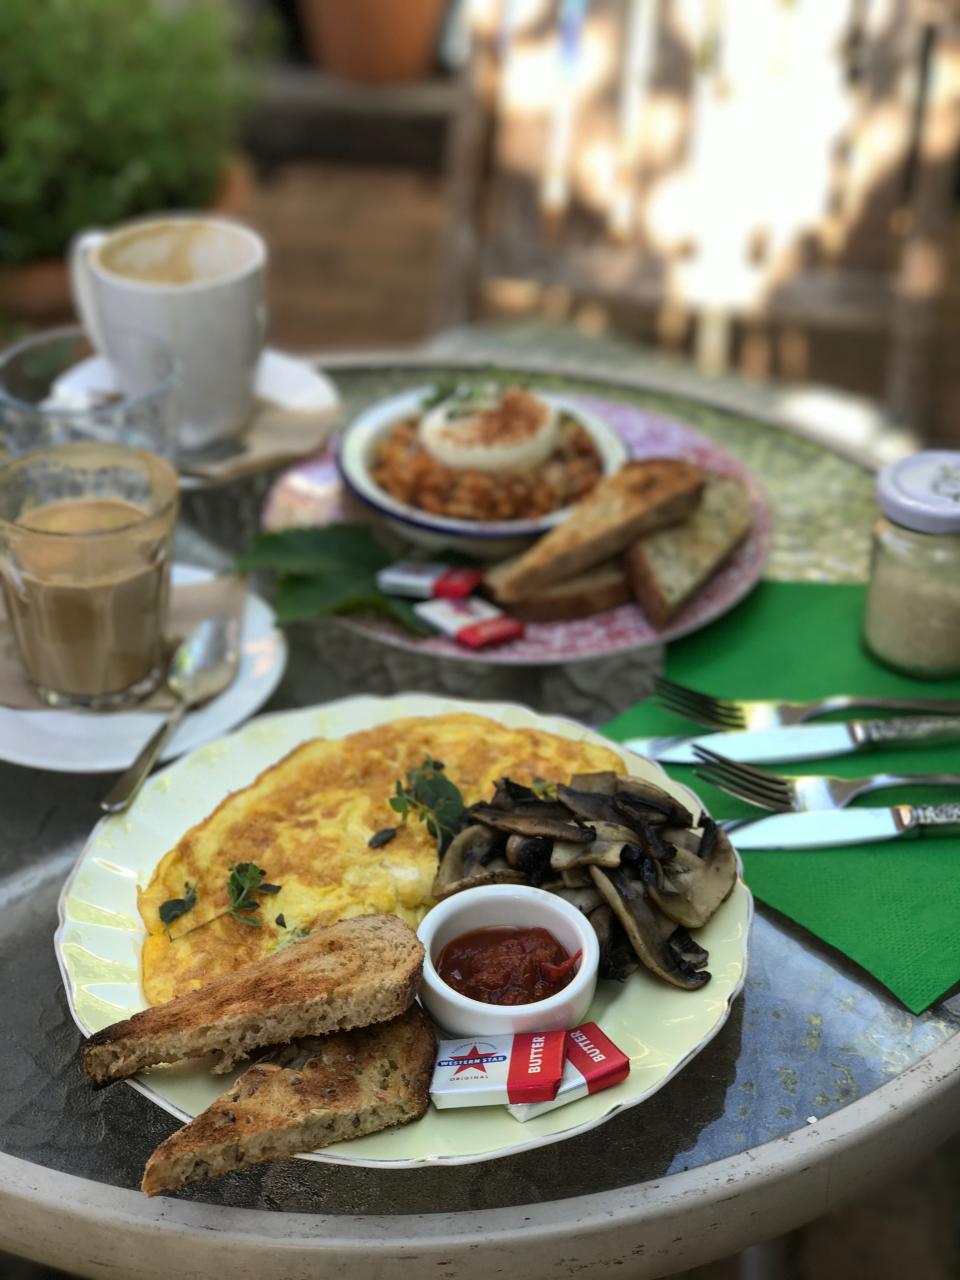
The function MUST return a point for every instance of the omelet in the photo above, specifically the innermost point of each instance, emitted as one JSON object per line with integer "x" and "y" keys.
{"x": 307, "y": 822}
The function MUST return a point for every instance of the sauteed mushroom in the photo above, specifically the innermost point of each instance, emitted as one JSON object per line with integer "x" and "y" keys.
{"x": 693, "y": 887}
{"x": 585, "y": 899}
{"x": 472, "y": 858}
{"x": 617, "y": 957}
{"x": 523, "y": 824}
{"x": 530, "y": 854}
{"x": 601, "y": 853}
{"x": 630, "y": 902}
{"x": 654, "y": 798}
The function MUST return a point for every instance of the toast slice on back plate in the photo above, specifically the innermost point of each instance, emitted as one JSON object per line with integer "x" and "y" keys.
{"x": 643, "y": 495}
{"x": 603, "y": 587}
{"x": 667, "y": 567}
{"x": 350, "y": 974}
{"x": 315, "y": 1092}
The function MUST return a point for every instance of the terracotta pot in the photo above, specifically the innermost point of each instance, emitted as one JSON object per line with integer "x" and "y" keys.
{"x": 372, "y": 40}
{"x": 39, "y": 292}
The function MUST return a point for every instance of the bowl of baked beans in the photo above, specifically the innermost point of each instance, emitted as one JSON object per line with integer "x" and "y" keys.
{"x": 485, "y": 475}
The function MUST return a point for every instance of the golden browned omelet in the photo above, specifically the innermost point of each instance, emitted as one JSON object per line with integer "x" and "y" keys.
{"x": 307, "y": 820}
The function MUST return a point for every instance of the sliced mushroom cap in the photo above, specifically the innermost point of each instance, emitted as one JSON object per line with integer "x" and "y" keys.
{"x": 473, "y": 858}
{"x": 585, "y": 899}
{"x": 693, "y": 887}
{"x": 630, "y": 901}
{"x": 531, "y": 855}
{"x": 600, "y": 853}
{"x": 617, "y": 957}
{"x": 661, "y": 803}
{"x": 513, "y": 797}
{"x": 604, "y": 784}
{"x": 522, "y": 824}
{"x": 684, "y": 946}
{"x": 595, "y": 806}
{"x": 650, "y": 838}
{"x": 575, "y": 877}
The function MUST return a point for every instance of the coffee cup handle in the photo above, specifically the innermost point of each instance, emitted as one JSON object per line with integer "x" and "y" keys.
{"x": 81, "y": 283}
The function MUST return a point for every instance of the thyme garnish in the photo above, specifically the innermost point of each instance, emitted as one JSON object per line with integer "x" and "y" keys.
{"x": 429, "y": 795}
{"x": 245, "y": 880}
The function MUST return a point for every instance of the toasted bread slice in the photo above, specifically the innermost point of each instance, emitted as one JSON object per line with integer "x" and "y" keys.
{"x": 348, "y": 974}
{"x": 640, "y": 497}
{"x": 666, "y": 568}
{"x": 317, "y": 1092}
{"x": 603, "y": 587}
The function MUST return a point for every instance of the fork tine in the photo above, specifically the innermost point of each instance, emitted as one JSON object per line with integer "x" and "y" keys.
{"x": 729, "y": 705}
{"x": 699, "y": 707}
{"x": 739, "y": 768}
{"x": 770, "y": 803}
{"x": 751, "y": 780}
{"x": 698, "y": 716}
{"x": 701, "y": 711}
{"x": 681, "y": 693}
{"x": 745, "y": 787}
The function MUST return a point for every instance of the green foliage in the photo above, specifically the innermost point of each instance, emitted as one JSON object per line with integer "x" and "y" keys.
{"x": 109, "y": 109}
{"x": 328, "y": 571}
{"x": 430, "y": 795}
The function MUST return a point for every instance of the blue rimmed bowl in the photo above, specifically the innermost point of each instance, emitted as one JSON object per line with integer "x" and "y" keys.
{"x": 485, "y": 540}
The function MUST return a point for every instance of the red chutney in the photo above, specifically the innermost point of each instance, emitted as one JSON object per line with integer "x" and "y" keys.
{"x": 510, "y": 965}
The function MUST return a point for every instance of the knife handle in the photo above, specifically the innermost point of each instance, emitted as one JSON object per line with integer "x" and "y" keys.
{"x": 936, "y": 815}
{"x": 905, "y": 729}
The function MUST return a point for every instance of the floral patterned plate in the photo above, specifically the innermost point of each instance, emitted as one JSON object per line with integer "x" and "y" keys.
{"x": 312, "y": 494}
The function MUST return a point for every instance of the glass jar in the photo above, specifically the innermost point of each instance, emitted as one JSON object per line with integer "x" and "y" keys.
{"x": 912, "y": 620}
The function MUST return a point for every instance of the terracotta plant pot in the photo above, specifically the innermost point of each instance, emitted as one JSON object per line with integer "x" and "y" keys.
{"x": 376, "y": 41}
{"x": 39, "y": 292}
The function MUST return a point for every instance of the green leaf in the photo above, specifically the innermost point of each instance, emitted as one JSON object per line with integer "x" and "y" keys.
{"x": 174, "y": 908}
{"x": 333, "y": 548}
{"x": 245, "y": 919}
{"x": 244, "y": 878}
{"x": 340, "y": 591}
{"x": 430, "y": 794}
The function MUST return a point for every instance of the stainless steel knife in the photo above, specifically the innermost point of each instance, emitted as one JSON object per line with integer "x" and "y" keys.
{"x": 798, "y": 742}
{"x": 824, "y": 829}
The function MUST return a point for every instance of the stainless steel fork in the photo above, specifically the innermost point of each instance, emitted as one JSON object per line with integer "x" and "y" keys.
{"x": 795, "y": 793}
{"x": 737, "y": 713}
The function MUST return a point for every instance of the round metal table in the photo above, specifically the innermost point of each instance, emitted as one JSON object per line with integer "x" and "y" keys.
{"x": 819, "y": 1083}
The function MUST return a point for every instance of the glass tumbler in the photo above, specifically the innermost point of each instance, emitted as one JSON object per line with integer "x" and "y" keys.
{"x": 55, "y": 389}
{"x": 86, "y": 532}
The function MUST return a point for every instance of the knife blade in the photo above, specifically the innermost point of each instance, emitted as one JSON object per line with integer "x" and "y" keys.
{"x": 824, "y": 829}
{"x": 798, "y": 742}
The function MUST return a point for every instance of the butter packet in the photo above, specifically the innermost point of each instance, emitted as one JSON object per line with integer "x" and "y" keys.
{"x": 592, "y": 1062}
{"x": 481, "y": 1072}
{"x": 419, "y": 580}
{"x": 472, "y": 622}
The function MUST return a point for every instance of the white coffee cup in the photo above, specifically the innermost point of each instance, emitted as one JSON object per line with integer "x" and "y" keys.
{"x": 196, "y": 283}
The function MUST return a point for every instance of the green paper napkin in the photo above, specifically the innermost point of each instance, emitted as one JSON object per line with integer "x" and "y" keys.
{"x": 893, "y": 907}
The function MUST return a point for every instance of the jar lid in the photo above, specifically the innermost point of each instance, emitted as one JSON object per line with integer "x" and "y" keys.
{"x": 923, "y": 491}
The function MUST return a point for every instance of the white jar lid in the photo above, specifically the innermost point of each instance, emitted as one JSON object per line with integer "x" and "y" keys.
{"x": 923, "y": 491}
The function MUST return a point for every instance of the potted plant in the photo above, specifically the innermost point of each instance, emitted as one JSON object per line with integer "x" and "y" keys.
{"x": 372, "y": 40}
{"x": 108, "y": 109}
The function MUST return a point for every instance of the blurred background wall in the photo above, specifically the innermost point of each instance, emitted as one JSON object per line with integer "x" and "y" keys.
{"x": 766, "y": 188}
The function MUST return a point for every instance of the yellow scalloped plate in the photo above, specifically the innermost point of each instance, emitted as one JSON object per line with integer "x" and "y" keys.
{"x": 100, "y": 934}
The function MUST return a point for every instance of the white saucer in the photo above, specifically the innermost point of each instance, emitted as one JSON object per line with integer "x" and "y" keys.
{"x": 83, "y": 742}
{"x": 283, "y": 382}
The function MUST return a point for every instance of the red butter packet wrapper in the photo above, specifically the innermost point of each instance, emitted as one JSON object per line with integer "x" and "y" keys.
{"x": 592, "y": 1062}
{"x": 485, "y": 1071}
{"x": 472, "y": 622}
{"x": 419, "y": 580}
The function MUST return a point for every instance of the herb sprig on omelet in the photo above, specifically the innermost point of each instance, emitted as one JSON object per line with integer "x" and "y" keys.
{"x": 430, "y": 795}
{"x": 245, "y": 879}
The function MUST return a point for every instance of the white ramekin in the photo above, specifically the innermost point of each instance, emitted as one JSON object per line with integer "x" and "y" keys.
{"x": 499, "y": 905}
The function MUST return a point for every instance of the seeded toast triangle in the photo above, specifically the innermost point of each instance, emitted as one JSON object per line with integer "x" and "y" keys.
{"x": 643, "y": 495}
{"x": 349, "y": 974}
{"x": 317, "y": 1092}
